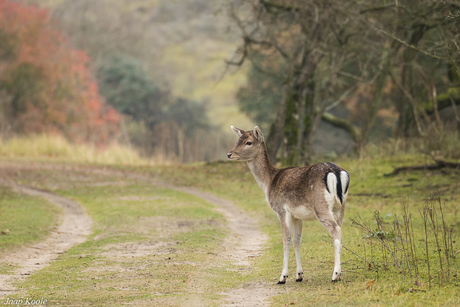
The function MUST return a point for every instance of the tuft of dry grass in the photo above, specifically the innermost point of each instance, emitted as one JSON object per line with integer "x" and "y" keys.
{"x": 424, "y": 255}
{"x": 56, "y": 147}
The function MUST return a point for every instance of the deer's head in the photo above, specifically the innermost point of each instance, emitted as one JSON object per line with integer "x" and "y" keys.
{"x": 250, "y": 144}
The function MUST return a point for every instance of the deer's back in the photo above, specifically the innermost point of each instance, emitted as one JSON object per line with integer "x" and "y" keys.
{"x": 300, "y": 186}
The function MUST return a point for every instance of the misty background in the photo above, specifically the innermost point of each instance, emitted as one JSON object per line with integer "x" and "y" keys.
{"x": 170, "y": 77}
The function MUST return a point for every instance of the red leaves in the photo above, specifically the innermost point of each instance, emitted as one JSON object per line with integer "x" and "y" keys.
{"x": 56, "y": 93}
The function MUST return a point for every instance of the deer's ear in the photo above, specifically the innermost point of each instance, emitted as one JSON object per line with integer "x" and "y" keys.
{"x": 258, "y": 134}
{"x": 237, "y": 131}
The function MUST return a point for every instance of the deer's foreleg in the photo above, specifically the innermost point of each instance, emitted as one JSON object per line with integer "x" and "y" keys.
{"x": 286, "y": 225}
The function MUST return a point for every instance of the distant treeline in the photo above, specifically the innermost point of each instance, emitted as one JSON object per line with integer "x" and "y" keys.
{"x": 49, "y": 86}
{"x": 45, "y": 84}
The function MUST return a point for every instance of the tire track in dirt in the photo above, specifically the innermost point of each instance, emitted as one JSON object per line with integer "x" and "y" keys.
{"x": 74, "y": 228}
{"x": 244, "y": 241}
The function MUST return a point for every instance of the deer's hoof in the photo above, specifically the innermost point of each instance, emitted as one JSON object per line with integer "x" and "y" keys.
{"x": 283, "y": 279}
{"x": 336, "y": 276}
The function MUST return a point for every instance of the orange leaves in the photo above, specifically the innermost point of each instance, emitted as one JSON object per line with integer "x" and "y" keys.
{"x": 50, "y": 84}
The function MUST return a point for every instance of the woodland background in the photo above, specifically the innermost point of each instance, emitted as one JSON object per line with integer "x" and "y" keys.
{"x": 168, "y": 78}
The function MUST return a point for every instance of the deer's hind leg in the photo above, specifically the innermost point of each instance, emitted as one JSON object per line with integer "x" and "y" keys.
{"x": 296, "y": 239}
{"x": 336, "y": 233}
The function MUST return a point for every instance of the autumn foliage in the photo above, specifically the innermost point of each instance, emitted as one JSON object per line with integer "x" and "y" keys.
{"x": 45, "y": 84}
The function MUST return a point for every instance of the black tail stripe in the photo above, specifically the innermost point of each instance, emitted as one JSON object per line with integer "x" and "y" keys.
{"x": 325, "y": 181}
{"x": 339, "y": 186}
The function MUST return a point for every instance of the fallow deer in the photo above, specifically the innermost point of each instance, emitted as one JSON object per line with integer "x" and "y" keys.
{"x": 297, "y": 193}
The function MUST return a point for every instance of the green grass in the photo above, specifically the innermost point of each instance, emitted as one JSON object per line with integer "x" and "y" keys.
{"x": 183, "y": 236}
{"x": 24, "y": 219}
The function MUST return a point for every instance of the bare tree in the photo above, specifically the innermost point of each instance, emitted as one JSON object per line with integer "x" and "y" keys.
{"x": 328, "y": 49}
{"x": 310, "y": 40}
{"x": 314, "y": 41}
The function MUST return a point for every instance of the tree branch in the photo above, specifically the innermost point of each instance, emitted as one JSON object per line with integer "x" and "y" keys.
{"x": 443, "y": 101}
{"x": 439, "y": 164}
{"x": 241, "y": 61}
{"x": 269, "y": 5}
{"x": 342, "y": 124}
{"x": 377, "y": 9}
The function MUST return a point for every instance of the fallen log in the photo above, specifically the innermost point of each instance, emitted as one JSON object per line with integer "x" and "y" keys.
{"x": 438, "y": 165}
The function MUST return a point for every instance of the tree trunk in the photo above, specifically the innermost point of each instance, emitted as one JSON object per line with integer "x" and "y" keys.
{"x": 306, "y": 150}
{"x": 276, "y": 134}
{"x": 374, "y": 105}
{"x": 406, "y": 118}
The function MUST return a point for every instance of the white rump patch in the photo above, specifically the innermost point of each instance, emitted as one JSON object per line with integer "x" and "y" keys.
{"x": 331, "y": 196}
{"x": 345, "y": 179}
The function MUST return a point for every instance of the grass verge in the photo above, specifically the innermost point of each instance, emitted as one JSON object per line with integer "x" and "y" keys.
{"x": 24, "y": 219}
{"x": 181, "y": 238}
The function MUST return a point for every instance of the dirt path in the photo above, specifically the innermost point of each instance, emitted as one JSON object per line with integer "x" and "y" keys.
{"x": 245, "y": 240}
{"x": 74, "y": 228}
{"x": 243, "y": 244}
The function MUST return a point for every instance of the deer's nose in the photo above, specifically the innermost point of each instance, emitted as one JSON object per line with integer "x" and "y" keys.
{"x": 229, "y": 155}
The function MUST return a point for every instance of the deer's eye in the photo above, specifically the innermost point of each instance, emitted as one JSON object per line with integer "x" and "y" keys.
{"x": 249, "y": 143}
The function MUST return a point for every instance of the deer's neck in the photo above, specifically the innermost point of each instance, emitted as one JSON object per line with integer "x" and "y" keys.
{"x": 262, "y": 169}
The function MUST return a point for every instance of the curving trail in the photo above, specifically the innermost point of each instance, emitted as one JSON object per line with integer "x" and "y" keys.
{"x": 75, "y": 226}
{"x": 244, "y": 241}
